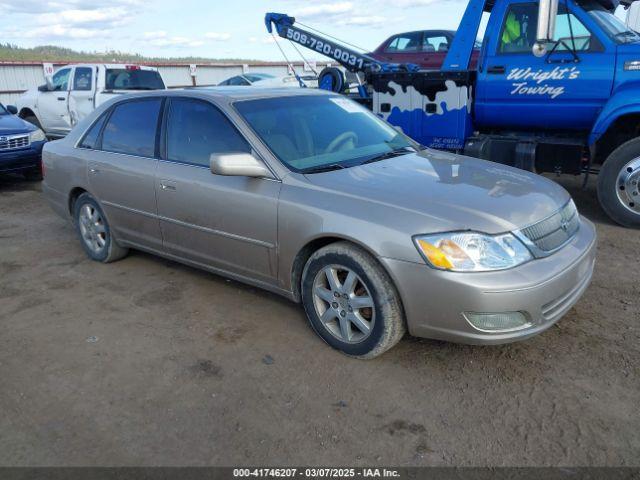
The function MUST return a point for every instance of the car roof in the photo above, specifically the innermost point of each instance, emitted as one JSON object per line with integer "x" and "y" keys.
{"x": 433, "y": 32}
{"x": 233, "y": 93}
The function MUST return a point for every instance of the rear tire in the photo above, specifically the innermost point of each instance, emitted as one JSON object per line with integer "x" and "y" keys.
{"x": 351, "y": 302}
{"x": 619, "y": 184}
{"x": 94, "y": 231}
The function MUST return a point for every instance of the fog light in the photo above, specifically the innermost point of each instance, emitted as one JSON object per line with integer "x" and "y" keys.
{"x": 497, "y": 322}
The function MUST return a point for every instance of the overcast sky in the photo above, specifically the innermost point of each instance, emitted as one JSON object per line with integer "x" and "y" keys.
{"x": 211, "y": 28}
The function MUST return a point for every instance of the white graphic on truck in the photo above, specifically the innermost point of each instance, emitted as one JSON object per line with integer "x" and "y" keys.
{"x": 537, "y": 82}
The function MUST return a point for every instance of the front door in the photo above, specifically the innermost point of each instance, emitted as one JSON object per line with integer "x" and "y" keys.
{"x": 53, "y": 105}
{"x": 229, "y": 223}
{"x": 122, "y": 168}
{"x": 564, "y": 89}
{"x": 81, "y": 97}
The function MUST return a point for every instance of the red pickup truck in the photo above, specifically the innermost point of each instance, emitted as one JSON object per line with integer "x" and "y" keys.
{"x": 426, "y": 48}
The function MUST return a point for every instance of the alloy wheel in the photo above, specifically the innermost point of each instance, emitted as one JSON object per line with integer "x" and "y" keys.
{"x": 92, "y": 228}
{"x": 344, "y": 304}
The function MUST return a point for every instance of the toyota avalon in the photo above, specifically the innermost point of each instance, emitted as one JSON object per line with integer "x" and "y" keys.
{"x": 311, "y": 196}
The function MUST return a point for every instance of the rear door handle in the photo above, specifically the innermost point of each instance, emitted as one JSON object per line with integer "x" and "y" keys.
{"x": 496, "y": 69}
{"x": 61, "y": 99}
{"x": 167, "y": 186}
{"x": 94, "y": 170}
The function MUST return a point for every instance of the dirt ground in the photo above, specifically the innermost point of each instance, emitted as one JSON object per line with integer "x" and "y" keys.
{"x": 147, "y": 362}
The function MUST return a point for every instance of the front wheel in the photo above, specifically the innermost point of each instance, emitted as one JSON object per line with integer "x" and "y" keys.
{"x": 94, "y": 231}
{"x": 351, "y": 302}
{"x": 619, "y": 184}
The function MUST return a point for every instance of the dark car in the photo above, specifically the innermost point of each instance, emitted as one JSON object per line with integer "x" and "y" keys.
{"x": 20, "y": 144}
{"x": 426, "y": 48}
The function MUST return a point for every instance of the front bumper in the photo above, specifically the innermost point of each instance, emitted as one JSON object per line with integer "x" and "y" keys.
{"x": 22, "y": 159}
{"x": 544, "y": 289}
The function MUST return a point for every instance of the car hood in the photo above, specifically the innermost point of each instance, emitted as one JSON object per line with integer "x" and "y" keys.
{"x": 453, "y": 192}
{"x": 11, "y": 124}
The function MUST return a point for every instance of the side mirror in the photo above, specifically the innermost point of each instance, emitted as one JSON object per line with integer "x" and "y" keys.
{"x": 633, "y": 17}
{"x": 547, "y": 13}
{"x": 238, "y": 165}
{"x": 12, "y": 109}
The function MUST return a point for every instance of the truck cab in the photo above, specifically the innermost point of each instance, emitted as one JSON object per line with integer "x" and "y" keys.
{"x": 74, "y": 91}
{"x": 565, "y": 89}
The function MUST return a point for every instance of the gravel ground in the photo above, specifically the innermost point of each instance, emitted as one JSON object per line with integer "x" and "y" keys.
{"x": 147, "y": 362}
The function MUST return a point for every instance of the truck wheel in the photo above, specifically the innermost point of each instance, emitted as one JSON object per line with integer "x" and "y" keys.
{"x": 351, "y": 302}
{"x": 33, "y": 120}
{"x": 619, "y": 184}
{"x": 94, "y": 231}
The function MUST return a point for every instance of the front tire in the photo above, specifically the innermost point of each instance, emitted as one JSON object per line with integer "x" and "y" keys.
{"x": 33, "y": 120}
{"x": 351, "y": 302}
{"x": 619, "y": 184}
{"x": 94, "y": 231}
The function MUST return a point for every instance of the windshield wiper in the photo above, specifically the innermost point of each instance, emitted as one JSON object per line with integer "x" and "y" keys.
{"x": 324, "y": 168}
{"x": 396, "y": 152}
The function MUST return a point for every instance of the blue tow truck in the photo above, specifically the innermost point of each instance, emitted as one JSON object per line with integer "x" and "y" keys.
{"x": 556, "y": 89}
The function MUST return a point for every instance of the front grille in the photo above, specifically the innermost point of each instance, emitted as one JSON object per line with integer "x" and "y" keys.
{"x": 554, "y": 231}
{"x": 13, "y": 142}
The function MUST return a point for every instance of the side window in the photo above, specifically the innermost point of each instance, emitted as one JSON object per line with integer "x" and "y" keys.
{"x": 405, "y": 43}
{"x": 82, "y": 79}
{"x": 436, "y": 43}
{"x": 567, "y": 23}
{"x": 519, "y": 29}
{"x": 238, "y": 81}
{"x": 131, "y": 128}
{"x": 90, "y": 139}
{"x": 60, "y": 80}
{"x": 196, "y": 129}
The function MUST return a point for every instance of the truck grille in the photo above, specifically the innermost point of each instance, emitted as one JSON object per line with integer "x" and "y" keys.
{"x": 12, "y": 142}
{"x": 553, "y": 232}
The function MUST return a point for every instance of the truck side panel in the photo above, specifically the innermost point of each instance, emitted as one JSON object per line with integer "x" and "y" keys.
{"x": 431, "y": 107}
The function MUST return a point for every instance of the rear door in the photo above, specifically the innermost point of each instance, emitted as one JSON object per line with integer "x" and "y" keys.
{"x": 82, "y": 95}
{"x": 556, "y": 91}
{"x": 122, "y": 169}
{"x": 53, "y": 105}
{"x": 229, "y": 223}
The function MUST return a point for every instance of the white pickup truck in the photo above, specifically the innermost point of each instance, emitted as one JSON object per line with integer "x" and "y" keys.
{"x": 74, "y": 91}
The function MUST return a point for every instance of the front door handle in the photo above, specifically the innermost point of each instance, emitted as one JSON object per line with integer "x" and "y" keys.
{"x": 94, "y": 170}
{"x": 496, "y": 69}
{"x": 167, "y": 186}
{"x": 61, "y": 99}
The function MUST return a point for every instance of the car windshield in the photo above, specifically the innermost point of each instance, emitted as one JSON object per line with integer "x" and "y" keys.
{"x": 3, "y": 111}
{"x": 612, "y": 25}
{"x": 317, "y": 133}
{"x": 133, "y": 79}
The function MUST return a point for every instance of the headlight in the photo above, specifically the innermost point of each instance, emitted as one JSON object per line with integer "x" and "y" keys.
{"x": 472, "y": 251}
{"x": 37, "y": 136}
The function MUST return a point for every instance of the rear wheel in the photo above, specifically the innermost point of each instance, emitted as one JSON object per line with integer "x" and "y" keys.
{"x": 94, "y": 231}
{"x": 351, "y": 302}
{"x": 619, "y": 184}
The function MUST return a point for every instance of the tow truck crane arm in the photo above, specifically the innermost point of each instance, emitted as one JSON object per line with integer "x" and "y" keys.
{"x": 350, "y": 59}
